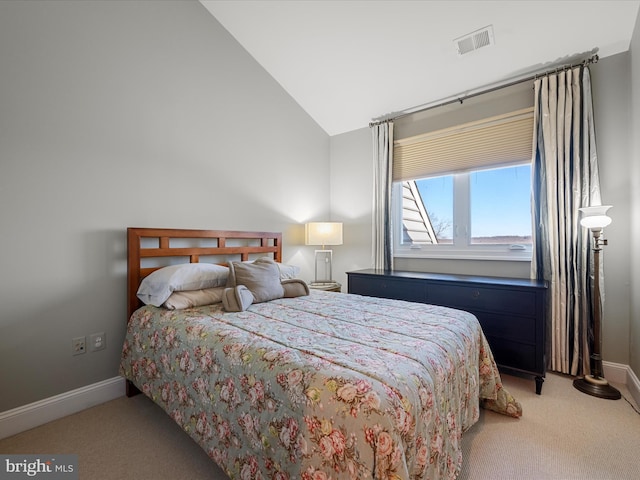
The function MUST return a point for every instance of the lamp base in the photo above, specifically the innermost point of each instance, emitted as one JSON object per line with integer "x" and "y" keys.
{"x": 597, "y": 387}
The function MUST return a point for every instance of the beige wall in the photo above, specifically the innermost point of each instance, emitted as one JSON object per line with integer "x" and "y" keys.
{"x": 611, "y": 88}
{"x": 118, "y": 114}
{"x": 351, "y": 174}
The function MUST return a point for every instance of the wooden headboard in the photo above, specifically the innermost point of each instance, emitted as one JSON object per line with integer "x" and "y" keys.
{"x": 188, "y": 246}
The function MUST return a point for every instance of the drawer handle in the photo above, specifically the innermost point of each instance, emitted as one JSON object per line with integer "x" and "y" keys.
{"x": 475, "y": 294}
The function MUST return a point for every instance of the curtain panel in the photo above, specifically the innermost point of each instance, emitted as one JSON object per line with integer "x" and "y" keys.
{"x": 382, "y": 185}
{"x": 565, "y": 178}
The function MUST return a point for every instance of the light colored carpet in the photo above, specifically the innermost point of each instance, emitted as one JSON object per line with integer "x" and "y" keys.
{"x": 563, "y": 434}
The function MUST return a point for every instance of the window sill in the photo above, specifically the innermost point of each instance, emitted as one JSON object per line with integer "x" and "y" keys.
{"x": 462, "y": 255}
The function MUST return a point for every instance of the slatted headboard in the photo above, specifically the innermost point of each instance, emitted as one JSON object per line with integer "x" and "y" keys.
{"x": 146, "y": 245}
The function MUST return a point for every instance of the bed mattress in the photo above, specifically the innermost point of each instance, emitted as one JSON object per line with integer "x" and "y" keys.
{"x": 322, "y": 386}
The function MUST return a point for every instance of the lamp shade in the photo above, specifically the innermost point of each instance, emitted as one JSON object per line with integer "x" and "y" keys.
{"x": 323, "y": 233}
{"x": 595, "y": 217}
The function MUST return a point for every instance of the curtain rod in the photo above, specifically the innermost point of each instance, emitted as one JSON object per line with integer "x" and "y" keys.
{"x": 458, "y": 99}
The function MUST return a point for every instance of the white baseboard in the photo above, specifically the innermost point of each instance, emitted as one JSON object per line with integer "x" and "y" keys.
{"x": 44, "y": 411}
{"x": 615, "y": 372}
{"x": 618, "y": 373}
{"x": 633, "y": 384}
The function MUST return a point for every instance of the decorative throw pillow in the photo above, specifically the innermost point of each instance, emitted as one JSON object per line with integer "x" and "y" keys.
{"x": 295, "y": 287}
{"x": 257, "y": 282}
{"x": 286, "y": 271}
{"x": 237, "y": 299}
{"x": 262, "y": 278}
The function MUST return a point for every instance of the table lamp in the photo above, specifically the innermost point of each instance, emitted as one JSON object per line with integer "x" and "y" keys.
{"x": 323, "y": 233}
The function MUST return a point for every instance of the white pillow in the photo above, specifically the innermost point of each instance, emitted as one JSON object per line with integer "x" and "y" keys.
{"x": 288, "y": 271}
{"x": 156, "y": 288}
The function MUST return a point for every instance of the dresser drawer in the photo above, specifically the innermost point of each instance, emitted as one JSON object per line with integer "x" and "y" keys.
{"x": 482, "y": 298}
{"x": 510, "y": 327}
{"x": 518, "y": 356}
{"x": 411, "y": 291}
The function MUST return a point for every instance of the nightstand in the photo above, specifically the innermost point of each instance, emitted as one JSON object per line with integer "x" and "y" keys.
{"x": 326, "y": 286}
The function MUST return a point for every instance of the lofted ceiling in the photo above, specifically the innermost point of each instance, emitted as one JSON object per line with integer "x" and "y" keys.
{"x": 352, "y": 61}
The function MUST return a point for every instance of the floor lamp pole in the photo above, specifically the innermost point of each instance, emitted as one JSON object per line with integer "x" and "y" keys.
{"x": 596, "y": 384}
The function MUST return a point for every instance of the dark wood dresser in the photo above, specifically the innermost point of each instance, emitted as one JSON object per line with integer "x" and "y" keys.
{"x": 511, "y": 311}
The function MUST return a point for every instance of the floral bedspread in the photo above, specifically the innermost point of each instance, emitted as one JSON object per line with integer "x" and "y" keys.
{"x": 324, "y": 386}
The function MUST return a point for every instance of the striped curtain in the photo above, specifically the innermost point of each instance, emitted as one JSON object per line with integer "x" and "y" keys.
{"x": 382, "y": 182}
{"x": 565, "y": 178}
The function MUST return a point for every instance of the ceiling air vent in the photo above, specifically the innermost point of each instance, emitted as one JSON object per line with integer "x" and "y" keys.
{"x": 474, "y": 40}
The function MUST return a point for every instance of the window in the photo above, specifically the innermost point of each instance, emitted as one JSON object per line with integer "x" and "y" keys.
{"x": 452, "y": 201}
{"x": 500, "y": 206}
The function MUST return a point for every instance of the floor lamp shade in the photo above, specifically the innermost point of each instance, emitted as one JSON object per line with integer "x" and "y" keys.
{"x": 595, "y": 219}
{"x": 323, "y": 233}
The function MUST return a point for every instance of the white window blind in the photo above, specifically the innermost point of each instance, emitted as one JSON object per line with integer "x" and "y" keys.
{"x": 500, "y": 140}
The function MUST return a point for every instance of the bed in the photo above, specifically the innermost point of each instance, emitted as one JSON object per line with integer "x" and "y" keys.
{"x": 319, "y": 386}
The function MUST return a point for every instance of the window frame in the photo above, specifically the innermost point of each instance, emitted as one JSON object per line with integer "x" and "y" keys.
{"x": 461, "y": 248}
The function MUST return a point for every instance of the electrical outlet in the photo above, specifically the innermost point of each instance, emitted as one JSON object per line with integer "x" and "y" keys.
{"x": 97, "y": 341}
{"x": 78, "y": 345}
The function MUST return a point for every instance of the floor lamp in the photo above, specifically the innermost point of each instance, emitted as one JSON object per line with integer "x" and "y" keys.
{"x": 323, "y": 233}
{"x": 595, "y": 219}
